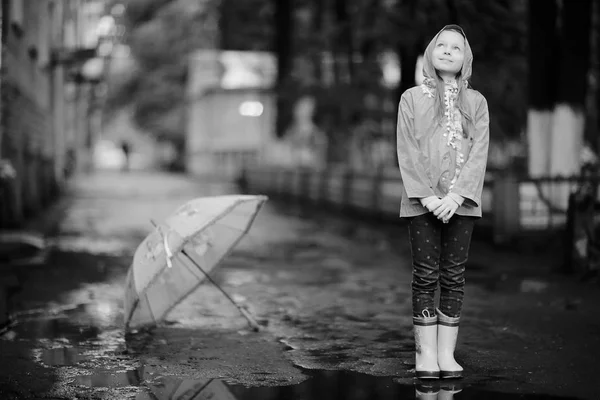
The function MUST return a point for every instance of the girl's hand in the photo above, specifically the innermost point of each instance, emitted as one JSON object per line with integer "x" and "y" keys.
{"x": 433, "y": 204}
{"x": 446, "y": 209}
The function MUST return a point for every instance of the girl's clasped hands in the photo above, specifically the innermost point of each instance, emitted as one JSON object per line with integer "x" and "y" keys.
{"x": 443, "y": 208}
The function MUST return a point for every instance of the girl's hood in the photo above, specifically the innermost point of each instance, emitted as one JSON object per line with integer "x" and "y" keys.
{"x": 467, "y": 68}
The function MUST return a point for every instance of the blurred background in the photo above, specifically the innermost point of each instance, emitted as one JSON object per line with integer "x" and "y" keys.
{"x": 293, "y": 97}
{"x": 115, "y": 113}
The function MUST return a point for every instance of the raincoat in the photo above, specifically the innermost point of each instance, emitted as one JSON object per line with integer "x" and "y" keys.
{"x": 434, "y": 156}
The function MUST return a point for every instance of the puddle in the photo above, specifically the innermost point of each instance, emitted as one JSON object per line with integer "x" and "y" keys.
{"x": 107, "y": 379}
{"x": 533, "y": 286}
{"x": 322, "y": 385}
{"x": 170, "y": 388}
{"x": 53, "y": 328}
{"x": 62, "y": 356}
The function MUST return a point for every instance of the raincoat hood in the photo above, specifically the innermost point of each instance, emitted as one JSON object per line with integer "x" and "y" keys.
{"x": 467, "y": 68}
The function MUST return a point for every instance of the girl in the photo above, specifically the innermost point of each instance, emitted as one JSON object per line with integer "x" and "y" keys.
{"x": 443, "y": 137}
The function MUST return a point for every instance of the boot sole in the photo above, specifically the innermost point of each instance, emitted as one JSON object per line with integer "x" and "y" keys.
{"x": 450, "y": 374}
{"x": 427, "y": 375}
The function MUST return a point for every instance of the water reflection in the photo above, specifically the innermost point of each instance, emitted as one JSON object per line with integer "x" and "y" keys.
{"x": 75, "y": 326}
{"x": 62, "y": 356}
{"x": 106, "y": 379}
{"x": 437, "y": 391}
{"x": 158, "y": 387}
{"x": 322, "y": 385}
{"x": 177, "y": 389}
{"x": 57, "y": 328}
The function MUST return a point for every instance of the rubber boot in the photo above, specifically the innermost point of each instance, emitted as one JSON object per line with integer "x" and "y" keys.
{"x": 447, "y": 336}
{"x": 447, "y": 391}
{"x": 427, "y": 391}
{"x": 426, "y": 366}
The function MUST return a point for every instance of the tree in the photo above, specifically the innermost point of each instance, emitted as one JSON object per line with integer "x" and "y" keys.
{"x": 594, "y": 131}
{"x": 413, "y": 22}
{"x": 497, "y": 34}
{"x": 285, "y": 55}
{"x": 302, "y": 33}
{"x": 409, "y": 50}
{"x": 559, "y": 61}
{"x": 344, "y": 42}
{"x": 569, "y": 113}
{"x": 247, "y": 25}
{"x": 161, "y": 34}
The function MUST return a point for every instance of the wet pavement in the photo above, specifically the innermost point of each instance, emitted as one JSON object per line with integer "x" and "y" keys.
{"x": 332, "y": 293}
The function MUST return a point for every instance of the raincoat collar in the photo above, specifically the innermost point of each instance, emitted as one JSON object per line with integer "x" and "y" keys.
{"x": 428, "y": 68}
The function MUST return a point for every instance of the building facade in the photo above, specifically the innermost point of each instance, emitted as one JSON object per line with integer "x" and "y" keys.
{"x": 43, "y": 100}
{"x": 230, "y": 113}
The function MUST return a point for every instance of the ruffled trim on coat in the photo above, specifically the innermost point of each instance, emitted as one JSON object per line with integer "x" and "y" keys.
{"x": 453, "y": 117}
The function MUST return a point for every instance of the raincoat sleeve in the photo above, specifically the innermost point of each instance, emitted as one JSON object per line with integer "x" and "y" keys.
{"x": 469, "y": 183}
{"x": 410, "y": 159}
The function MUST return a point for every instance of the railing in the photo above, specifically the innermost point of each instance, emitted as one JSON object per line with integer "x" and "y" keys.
{"x": 512, "y": 206}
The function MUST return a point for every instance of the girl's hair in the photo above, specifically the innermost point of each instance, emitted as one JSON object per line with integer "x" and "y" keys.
{"x": 461, "y": 99}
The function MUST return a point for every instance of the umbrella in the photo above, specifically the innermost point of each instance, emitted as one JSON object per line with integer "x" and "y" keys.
{"x": 179, "y": 253}
{"x": 169, "y": 388}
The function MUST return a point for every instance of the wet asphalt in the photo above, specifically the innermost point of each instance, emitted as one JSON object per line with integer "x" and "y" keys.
{"x": 332, "y": 295}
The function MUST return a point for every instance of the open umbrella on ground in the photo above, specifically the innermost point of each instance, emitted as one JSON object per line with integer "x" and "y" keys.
{"x": 170, "y": 388}
{"x": 179, "y": 254}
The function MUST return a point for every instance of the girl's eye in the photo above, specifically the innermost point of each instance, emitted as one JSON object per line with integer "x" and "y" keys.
{"x": 456, "y": 48}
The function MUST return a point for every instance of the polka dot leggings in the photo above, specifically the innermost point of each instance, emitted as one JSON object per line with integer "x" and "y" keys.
{"x": 439, "y": 254}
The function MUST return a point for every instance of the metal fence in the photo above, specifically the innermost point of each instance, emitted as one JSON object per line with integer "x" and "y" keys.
{"x": 558, "y": 213}
{"x": 512, "y": 205}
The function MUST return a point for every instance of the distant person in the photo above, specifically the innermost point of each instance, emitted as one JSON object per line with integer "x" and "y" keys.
{"x": 126, "y": 148}
{"x": 443, "y": 140}
{"x": 308, "y": 143}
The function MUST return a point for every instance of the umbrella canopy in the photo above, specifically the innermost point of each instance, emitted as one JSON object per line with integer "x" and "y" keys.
{"x": 176, "y": 389}
{"x": 177, "y": 256}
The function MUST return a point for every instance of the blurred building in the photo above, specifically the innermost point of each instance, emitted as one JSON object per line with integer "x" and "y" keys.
{"x": 46, "y": 95}
{"x": 230, "y": 115}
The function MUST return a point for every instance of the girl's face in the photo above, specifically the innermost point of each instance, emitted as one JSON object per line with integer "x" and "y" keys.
{"x": 449, "y": 53}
